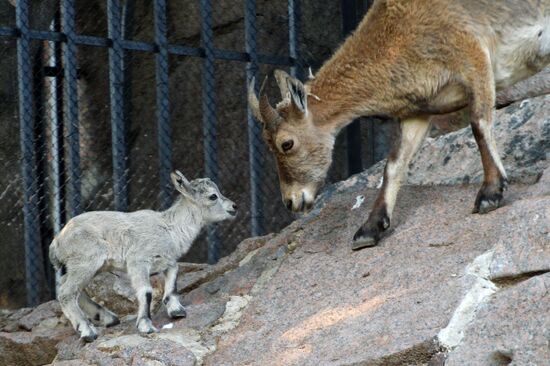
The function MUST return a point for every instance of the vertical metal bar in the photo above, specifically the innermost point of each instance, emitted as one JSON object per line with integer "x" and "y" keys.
{"x": 209, "y": 115}
{"x": 163, "y": 104}
{"x": 118, "y": 130}
{"x": 71, "y": 107}
{"x": 127, "y": 33}
{"x": 28, "y": 168}
{"x": 56, "y": 130}
{"x": 255, "y": 152}
{"x": 351, "y": 15}
{"x": 41, "y": 165}
{"x": 294, "y": 18}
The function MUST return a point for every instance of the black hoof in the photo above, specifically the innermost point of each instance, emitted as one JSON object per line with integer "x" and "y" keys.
{"x": 486, "y": 206}
{"x": 363, "y": 239}
{"x": 89, "y": 338}
{"x": 489, "y": 198}
{"x": 178, "y": 314}
{"x": 113, "y": 322}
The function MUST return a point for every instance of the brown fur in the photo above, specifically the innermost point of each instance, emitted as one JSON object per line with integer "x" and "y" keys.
{"x": 408, "y": 59}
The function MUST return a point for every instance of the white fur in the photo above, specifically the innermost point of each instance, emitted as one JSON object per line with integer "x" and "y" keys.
{"x": 544, "y": 48}
{"x": 519, "y": 49}
{"x": 488, "y": 135}
{"x": 140, "y": 243}
{"x": 413, "y": 132}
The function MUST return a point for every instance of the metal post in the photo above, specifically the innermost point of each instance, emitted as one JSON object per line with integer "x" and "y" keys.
{"x": 209, "y": 115}
{"x": 41, "y": 166}
{"x": 163, "y": 104}
{"x": 127, "y": 67}
{"x": 71, "y": 107}
{"x": 56, "y": 130}
{"x": 118, "y": 130}
{"x": 294, "y": 18}
{"x": 28, "y": 168}
{"x": 352, "y": 12}
{"x": 255, "y": 152}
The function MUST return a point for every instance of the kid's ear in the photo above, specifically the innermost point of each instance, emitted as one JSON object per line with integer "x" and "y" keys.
{"x": 181, "y": 184}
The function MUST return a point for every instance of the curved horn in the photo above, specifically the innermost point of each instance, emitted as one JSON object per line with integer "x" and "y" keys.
{"x": 281, "y": 76}
{"x": 268, "y": 113}
{"x": 253, "y": 101}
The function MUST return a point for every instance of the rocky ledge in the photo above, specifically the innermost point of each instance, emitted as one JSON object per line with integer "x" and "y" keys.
{"x": 444, "y": 287}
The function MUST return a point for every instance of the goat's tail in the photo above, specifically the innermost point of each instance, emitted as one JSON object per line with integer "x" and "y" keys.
{"x": 58, "y": 265}
{"x": 53, "y": 256}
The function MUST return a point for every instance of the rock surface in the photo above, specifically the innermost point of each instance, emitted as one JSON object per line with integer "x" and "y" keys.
{"x": 522, "y": 134}
{"x": 513, "y": 326}
{"x": 443, "y": 287}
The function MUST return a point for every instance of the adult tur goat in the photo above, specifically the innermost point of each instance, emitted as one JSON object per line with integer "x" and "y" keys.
{"x": 407, "y": 59}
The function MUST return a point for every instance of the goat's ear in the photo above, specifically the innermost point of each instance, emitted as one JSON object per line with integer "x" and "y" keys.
{"x": 181, "y": 183}
{"x": 292, "y": 88}
{"x": 281, "y": 77}
{"x": 298, "y": 94}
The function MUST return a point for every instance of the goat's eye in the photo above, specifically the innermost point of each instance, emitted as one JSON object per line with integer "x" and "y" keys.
{"x": 213, "y": 197}
{"x": 287, "y": 145}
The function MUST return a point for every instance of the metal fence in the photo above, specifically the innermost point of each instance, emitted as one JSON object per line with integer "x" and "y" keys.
{"x": 54, "y": 138}
{"x": 112, "y": 95}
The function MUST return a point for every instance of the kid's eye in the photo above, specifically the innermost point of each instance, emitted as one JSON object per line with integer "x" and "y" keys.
{"x": 213, "y": 197}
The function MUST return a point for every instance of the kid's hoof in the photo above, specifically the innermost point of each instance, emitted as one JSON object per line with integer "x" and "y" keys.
{"x": 89, "y": 338}
{"x": 87, "y": 332}
{"x": 363, "y": 239}
{"x": 149, "y": 330}
{"x": 176, "y": 314}
{"x": 174, "y": 308}
{"x": 145, "y": 326}
{"x": 113, "y": 322}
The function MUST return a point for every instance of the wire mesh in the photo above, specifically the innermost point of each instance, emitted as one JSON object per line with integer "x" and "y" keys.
{"x": 117, "y": 94}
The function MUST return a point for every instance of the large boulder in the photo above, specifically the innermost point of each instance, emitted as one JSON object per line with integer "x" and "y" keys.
{"x": 443, "y": 286}
{"x": 522, "y": 135}
{"x": 400, "y": 302}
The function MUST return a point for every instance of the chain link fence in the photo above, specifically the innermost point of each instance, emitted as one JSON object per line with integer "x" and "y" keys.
{"x": 102, "y": 99}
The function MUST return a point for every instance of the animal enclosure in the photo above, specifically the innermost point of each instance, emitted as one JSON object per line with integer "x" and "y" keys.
{"x": 102, "y": 99}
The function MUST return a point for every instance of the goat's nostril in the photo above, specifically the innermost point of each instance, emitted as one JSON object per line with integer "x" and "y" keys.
{"x": 234, "y": 207}
{"x": 288, "y": 204}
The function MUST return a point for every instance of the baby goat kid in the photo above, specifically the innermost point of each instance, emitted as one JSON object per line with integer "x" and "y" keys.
{"x": 140, "y": 243}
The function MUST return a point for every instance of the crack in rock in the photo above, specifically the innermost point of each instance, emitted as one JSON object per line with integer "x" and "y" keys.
{"x": 508, "y": 281}
{"x": 451, "y": 336}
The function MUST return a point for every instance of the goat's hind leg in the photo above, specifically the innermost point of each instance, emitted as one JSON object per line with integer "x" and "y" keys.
{"x": 97, "y": 312}
{"x": 412, "y": 133}
{"x": 170, "y": 299}
{"x": 481, "y": 83}
{"x": 139, "y": 275}
{"x": 74, "y": 281}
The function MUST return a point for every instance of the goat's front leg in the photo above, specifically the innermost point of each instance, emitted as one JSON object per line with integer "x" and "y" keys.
{"x": 411, "y": 134}
{"x": 139, "y": 276}
{"x": 173, "y": 306}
